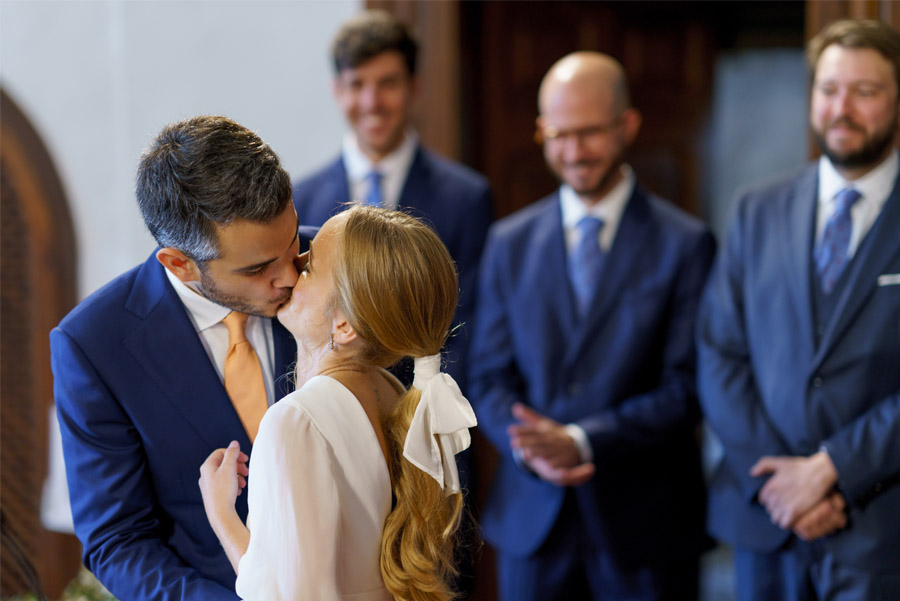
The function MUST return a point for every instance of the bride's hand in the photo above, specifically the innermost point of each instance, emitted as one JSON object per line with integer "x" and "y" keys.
{"x": 222, "y": 478}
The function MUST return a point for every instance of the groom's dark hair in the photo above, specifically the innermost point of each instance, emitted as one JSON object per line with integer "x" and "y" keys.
{"x": 205, "y": 172}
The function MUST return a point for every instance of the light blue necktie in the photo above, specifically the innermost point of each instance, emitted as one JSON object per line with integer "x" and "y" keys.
{"x": 831, "y": 254}
{"x": 586, "y": 261}
{"x": 374, "y": 198}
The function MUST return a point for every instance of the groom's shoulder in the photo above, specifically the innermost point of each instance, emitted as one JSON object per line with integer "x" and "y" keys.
{"x": 102, "y": 312}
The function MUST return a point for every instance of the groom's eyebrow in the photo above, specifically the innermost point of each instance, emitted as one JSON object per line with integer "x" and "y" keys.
{"x": 254, "y": 267}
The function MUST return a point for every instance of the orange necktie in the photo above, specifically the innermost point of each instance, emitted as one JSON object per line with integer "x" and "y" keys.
{"x": 243, "y": 375}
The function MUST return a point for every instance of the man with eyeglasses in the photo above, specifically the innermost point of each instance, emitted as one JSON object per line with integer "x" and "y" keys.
{"x": 582, "y": 367}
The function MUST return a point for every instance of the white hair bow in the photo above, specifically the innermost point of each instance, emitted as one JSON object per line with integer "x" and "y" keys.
{"x": 440, "y": 426}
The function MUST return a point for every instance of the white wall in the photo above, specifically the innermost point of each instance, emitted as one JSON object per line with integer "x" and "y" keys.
{"x": 100, "y": 78}
{"x": 758, "y": 126}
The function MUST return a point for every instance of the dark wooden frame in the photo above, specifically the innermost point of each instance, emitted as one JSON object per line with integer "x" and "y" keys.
{"x": 38, "y": 288}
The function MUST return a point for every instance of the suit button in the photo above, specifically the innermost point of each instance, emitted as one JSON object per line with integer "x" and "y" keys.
{"x": 574, "y": 389}
{"x": 878, "y": 487}
{"x": 817, "y": 382}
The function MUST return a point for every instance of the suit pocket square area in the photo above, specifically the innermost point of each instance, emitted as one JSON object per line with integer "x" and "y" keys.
{"x": 889, "y": 279}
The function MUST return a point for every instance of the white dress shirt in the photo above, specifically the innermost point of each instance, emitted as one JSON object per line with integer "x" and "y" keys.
{"x": 609, "y": 209}
{"x": 393, "y": 168}
{"x": 875, "y": 187}
{"x": 207, "y": 318}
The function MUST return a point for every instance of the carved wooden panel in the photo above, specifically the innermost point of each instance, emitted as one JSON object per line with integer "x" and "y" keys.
{"x": 666, "y": 49}
{"x": 820, "y": 14}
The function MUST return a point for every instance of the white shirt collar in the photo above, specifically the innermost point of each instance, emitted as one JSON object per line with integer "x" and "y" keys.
{"x": 609, "y": 209}
{"x": 359, "y": 165}
{"x": 875, "y": 186}
{"x": 207, "y": 318}
{"x": 203, "y": 311}
{"x": 393, "y": 168}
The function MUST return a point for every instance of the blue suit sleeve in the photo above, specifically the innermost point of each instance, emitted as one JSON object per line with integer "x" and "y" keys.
{"x": 117, "y": 517}
{"x": 866, "y": 451}
{"x": 729, "y": 395}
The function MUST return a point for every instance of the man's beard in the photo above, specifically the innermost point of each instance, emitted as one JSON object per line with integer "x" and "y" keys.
{"x": 602, "y": 184}
{"x": 210, "y": 291}
{"x": 873, "y": 150}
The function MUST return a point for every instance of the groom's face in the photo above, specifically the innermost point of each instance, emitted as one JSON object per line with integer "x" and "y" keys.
{"x": 255, "y": 272}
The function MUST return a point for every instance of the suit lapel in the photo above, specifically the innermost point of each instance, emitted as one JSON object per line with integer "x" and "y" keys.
{"x": 414, "y": 192}
{"x": 285, "y": 358}
{"x": 169, "y": 349}
{"x": 880, "y": 246}
{"x": 794, "y": 229}
{"x": 551, "y": 263}
{"x": 328, "y": 196}
{"x": 341, "y": 192}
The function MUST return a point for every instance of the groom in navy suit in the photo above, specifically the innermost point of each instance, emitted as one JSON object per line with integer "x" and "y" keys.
{"x": 799, "y": 339}
{"x": 383, "y": 163}
{"x": 582, "y": 368}
{"x": 139, "y": 365}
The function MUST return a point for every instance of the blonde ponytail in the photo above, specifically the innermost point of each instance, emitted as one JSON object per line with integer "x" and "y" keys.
{"x": 397, "y": 284}
{"x": 417, "y": 546}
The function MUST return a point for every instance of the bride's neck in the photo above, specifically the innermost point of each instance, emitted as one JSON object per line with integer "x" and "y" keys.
{"x": 326, "y": 362}
{"x": 347, "y": 368}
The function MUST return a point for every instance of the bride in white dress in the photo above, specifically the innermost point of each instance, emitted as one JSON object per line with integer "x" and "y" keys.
{"x": 355, "y": 493}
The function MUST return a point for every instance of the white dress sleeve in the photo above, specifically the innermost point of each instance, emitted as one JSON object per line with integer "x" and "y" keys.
{"x": 294, "y": 513}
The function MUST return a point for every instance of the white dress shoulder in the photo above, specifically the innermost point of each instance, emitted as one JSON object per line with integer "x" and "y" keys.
{"x": 319, "y": 495}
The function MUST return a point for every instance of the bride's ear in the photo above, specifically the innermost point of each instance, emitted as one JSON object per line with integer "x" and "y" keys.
{"x": 342, "y": 330}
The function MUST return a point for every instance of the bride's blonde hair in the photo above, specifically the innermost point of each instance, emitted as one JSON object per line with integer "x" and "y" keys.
{"x": 397, "y": 285}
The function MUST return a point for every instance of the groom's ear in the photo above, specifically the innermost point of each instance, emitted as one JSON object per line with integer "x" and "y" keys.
{"x": 179, "y": 264}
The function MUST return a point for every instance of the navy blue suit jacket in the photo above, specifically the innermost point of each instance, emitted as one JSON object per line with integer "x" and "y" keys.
{"x": 767, "y": 389}
{"x": 453, "y": 199}
{"x": 140, "y": 408}
{"x": 625, "y": 375}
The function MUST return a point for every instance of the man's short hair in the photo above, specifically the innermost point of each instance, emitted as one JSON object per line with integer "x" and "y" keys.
{"x": 205, "y": 172}
{"x": 849, "y": 33}
{"x": 367, "y": 35}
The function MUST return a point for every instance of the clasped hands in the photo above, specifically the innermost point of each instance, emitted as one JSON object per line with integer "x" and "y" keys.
{"x": 547, "y": 449}
{"x": 800, "y": 494}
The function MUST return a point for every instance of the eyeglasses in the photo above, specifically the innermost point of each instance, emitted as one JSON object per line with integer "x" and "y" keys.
{"x": 551, "y": 134}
